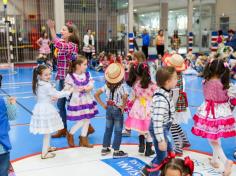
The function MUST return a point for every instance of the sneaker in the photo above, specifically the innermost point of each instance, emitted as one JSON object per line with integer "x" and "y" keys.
{"x": 120, "y": 154}
{"x": 144, "y": 171}
{"x": 105, "y": 151}
{"x": 126, "y": 133}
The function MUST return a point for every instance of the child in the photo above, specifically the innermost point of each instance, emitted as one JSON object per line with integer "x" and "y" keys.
{"x": 67, "y": 49}
{"x": 116, "y": 96}
{"x": 7, "y": 112}
{"x": 81, "y": 107}
{"x": 139, "y": 115}
{"x": 45, "y": 119}
{"x": 178, "y": 167}
{"x": 181, "y": 104}
{"x": 138, "y": 57}
{"x": 162, "y": 116}
{"x": 214, "y": 119}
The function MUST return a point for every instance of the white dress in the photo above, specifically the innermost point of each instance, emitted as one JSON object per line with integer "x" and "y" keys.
{"x": 45, "y": 118}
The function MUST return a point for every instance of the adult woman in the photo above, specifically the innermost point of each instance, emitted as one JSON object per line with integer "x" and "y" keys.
{"x": 88, "y": 48}
{"x": 160, "y": 43}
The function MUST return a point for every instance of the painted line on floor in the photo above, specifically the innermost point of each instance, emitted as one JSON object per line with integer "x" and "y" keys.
{"x": 21, "y": 105}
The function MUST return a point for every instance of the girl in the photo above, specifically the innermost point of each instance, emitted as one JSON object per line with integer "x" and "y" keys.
{"x": 214, "y": 119}
{"x": 88, "y": 48}
{"x": 175, "y": 41}
{"x": 116, "y": 96}
{"x": 43, "y": 43}
{"x": 172, "y": 166}
{"x": 139, "y": 115}
{"x": 138, "y": 57}
{"x": 178, "y": 167}
{"x": 162, "y": 115}
{"x": 81, "y": 107}
{"x": 181, "y": 104}
{"x": 45, "y": 119}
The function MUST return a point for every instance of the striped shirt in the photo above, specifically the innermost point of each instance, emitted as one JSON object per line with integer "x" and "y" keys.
{"x": 117, "y": 96}
{"x": 64, "y": 56}
{"x": 160, "y": 109}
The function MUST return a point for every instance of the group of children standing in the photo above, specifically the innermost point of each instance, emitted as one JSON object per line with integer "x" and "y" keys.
{"x": 157, "y": 110}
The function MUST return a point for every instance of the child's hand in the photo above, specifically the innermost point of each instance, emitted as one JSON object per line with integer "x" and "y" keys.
{"x": 51, "y": 24}
{"x": 162, "y": 146}
{"x": 54, "y": 98}
{"x": 12, "y": 100}
{"x": 104, "y": 106}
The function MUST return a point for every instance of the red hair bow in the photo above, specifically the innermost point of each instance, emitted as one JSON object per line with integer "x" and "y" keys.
{"x": 170, "y": 156}
{"x": 189, "y": 163}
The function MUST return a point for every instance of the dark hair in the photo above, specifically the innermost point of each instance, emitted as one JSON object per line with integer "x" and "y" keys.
{"x": 159, "y": 32}
{"x": 74, "y": 38}
{"x": 43, "y": 33}
{"x": 220, "y": 32}
{"x": 164, "y": 74}
{"x": 113, "y": 87}
{"x": 36, "y": 72}
{"x": 217, "y": 68}
{"x": 139, "y": 70}
{"x": 176, "y": 164}
{"x": 78, "y": 61}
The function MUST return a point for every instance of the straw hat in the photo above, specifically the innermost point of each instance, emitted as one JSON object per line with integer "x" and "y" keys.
{"x": 175, "y": 60}
{"x": 114, "y": 73}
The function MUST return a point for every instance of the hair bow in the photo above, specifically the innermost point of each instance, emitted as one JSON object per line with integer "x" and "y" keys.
{"x": 166, "y": 160}
{"x": 226, "y": 65}
{"x": 69, "y": 23}
{"x": 189, "y": 163}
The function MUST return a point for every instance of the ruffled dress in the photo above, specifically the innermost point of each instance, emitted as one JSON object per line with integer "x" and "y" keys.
{"x": 45, "y": 118}
{"x": 214, "y": 118}
{"x": 82, "y": 104}
{"x": 139, "y": 115}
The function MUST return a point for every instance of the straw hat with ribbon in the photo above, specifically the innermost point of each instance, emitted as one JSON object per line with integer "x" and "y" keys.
{"x": 114, "y": 73}
{"x": 175, "y": 60}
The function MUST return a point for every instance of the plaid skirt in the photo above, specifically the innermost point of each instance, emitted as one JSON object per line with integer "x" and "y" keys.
{"x": 182, "y": 102}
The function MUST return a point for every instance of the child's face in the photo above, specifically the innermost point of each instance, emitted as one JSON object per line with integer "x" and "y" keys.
{"x": 173, "y": 172}
{"x": 46, "y": 75}
{"x": 82, "y": 67}
{"x": 171, "y": 83}
{"x": 65, "y": 34}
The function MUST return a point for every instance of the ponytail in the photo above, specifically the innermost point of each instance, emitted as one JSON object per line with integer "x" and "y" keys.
{"x": 36, "y": 72}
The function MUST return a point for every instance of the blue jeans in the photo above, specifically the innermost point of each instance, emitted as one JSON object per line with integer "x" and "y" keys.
{"x": 114, "y": 120}
{"x": 61, "y": 104}
{"x": 4, "y": 163}
{"x": 160, "y": 155}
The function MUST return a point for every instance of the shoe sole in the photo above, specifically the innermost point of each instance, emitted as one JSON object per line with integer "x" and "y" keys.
{"x": 117, "y": 157}
{"x": 104, "y": 154}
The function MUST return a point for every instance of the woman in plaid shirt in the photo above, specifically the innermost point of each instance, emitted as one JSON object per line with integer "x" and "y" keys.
{"x": 67, "y": 48}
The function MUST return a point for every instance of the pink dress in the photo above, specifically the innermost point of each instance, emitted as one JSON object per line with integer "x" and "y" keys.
{"x": 214, "y": 117}
{"x": 139, "y": 115}
{"x": 44, "y": 49}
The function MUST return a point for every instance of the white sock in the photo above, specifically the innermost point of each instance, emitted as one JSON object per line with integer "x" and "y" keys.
{"x": 85, "y": 127}
{"x": 76, "y": 126}
{"x": 46, "y": 144}
{"x": 148, "y": 137}
{"x": 218, "y": 152}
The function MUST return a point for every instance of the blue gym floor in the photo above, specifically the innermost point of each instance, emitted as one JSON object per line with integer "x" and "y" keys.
{"x": 18, "y": 83}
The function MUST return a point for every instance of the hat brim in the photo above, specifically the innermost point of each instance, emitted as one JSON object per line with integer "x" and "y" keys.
{"x": 118, "y": 78}
{"x": 183, "y": 67}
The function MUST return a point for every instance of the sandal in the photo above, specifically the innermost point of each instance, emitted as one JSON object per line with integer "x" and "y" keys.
{"x": 52, "y": 149}
{"x": 228, "y": 168}
{"x": 48, "y": 155}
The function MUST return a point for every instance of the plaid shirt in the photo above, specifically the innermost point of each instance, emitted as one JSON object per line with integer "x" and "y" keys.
{"x": 64, "y": 55}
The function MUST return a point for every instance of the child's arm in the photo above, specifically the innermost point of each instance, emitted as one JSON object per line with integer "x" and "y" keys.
{"x": 11, "y": 108}
{"x": 51, "y": 25}
{"x": 98, "y": 99}
{"x": 124, "y": 100}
